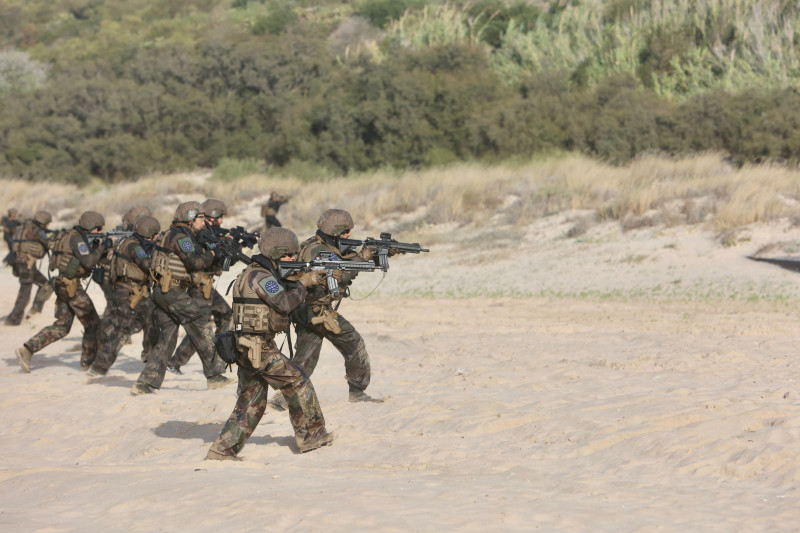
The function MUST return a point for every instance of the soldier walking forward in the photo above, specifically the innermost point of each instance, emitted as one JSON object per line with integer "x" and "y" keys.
{"x": 30, "y": 244}
{"x": 179, "y": 263}
{"x": 129, "y": 295}
{"x": 74, "y": 258}
{"x": 261, "y": 304}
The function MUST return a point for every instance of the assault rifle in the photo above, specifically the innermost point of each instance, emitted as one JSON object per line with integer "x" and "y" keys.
{"x": 242, "y": 236}
{"x": 108, "y": 236}
{"x": 382, "y": 246}
{"x": 229, "y": 252}
{"x": 327, "y": 262}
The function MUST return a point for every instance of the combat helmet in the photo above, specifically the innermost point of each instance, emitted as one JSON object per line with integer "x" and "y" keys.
{"x": 90, "y": 220}
{"x": 188, "y": 211}
{"x": 129, "y": 218}
{"x": 42, "y": 217}
{"x": 277, "y": 242}
{"x": 215, "y": 208}
{"x": 334, "y": 222}
{"x": 146, "y": 226}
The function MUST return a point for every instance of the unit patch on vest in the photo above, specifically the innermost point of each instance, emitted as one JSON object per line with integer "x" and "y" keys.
{"x": 140, "y": 253}
{"x": 270, "y": 285}
{"x": 83, "y": 248}
{"x": 186, "y": 244}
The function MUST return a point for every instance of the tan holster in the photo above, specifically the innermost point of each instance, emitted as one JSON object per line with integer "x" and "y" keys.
{"x": 71, "y": 285}
{"x": 327, "y": 318}
{"x": 253, "y": 346}
{"x": 138, "y": 292}
{"x": 166, "y": 281}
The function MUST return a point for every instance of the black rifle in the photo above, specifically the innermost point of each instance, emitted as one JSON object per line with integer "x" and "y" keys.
{"x": 326, "y": 263}
{"x": 240, "y": 235}
{"x": 112, "y": 234}
{"x": 221, "y": 247}
{"x": 381, "y": 247}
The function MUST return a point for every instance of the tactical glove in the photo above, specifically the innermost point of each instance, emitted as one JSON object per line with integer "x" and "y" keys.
{"x": 311, "y": 278}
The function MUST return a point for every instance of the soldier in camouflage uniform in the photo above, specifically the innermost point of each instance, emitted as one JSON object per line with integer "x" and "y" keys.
{"x": 261, "y": 304}
{"x": 333, "y": 224}
{"x": 9, "y": 224}
{"x": 74, "y": 258}
{"x": 215, "y": 211}
{"x": 130, "y": 303}
{"x": 270, "y": 210}
{"x": 30, "y": 244}
{"x": 180, "y": 263}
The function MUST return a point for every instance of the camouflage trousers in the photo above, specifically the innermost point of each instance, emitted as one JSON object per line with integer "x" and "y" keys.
{"x": 281, "y": 374}
{"x": 348, "y": 342}
{"x": 120, "y": 321}
{"x": 67, "y": 309}
{"x": 28, "y": 277}
{"x": 175, "y": 308}
{"x": 221, "y": 313}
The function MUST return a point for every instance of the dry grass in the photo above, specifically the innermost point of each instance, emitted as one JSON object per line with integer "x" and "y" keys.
{"x": 651, "y": 191}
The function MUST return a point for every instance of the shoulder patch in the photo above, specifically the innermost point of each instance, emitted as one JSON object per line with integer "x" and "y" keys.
{"x": 140, "y": 253}
{"x": 83, "y": 248}
{"x": 186, "y": 244}
{"x": 42, "y": 234}
{"x": 270, "y": 285}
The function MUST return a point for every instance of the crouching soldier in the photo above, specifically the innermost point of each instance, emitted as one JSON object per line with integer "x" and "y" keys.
{"x": 74, "y": 257}
{"x": 262, "y": 302}
{"x": 30, "y": 244}
{"x": 129, "y": 297}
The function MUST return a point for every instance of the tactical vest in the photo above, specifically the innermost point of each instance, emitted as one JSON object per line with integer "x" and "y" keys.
{"x": 61, "y": 257}
{"x": 25, "y": 241}
{"x": 168, "y": 263}
{"x": 251, "y": 315}
{"x": 122, "y": 267}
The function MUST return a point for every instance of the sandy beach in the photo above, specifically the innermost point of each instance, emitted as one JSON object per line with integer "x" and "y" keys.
{"x": 620, "y": 381}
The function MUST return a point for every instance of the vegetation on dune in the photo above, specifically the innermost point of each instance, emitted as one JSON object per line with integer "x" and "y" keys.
{"x": 116, "y": 90}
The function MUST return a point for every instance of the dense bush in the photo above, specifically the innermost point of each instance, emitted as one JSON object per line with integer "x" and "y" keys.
{"x": 116, "y": 90}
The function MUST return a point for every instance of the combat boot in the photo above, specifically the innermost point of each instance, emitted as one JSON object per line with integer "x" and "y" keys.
{"x": 173, "y": 367}
{"x": 325, "y": 440}
{"x": 357, "y": 395}
{"x": 213, "y": 455}
{"x": 142, "y": 388}
{"x": 95, "y": 372}
{"x": 24, "y": 357}
{"x": 13, "y": 321}
{"x": 217, "y": 382}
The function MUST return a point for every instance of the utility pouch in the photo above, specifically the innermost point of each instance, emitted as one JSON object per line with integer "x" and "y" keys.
{"x": 71, "y": 270}
{"x": 327, "y": 318}
{"x": 207, "y": 284}
{"x": 225, "y": 343}
{"x": 98, "y": 275}
{"x": 253, "y": 347}
{"x": 30, "y": 261}
{"x": 71, "y": 285}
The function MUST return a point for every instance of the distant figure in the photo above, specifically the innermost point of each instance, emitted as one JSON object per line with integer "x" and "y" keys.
{"x": 30, "y": 245}
{"x": 270, "y": 209}
{"x": 10, "y": 223}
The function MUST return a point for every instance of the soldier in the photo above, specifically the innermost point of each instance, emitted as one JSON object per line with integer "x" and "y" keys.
{"x": 215, "y": 211}
{"x": 333, "y": 224}
{"x": 10, "y": 223}
{"x": 270, "y": 209}
{"x": 180, "y": 263}
{"x": 74, "y": 257}
{"x": 30, "y": 244}
{"x": 130, "y": 303}
{"x": 261, "y": 304}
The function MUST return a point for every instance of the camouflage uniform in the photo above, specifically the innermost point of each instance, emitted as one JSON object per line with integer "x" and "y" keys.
{"x": 30, "y": 244}
{"x": 320, "y": 302}
{"x": 75, "y": 263}
{"x": 130, "y": 303}
{"x": 261, "y": 304}
{"x": 220, "y": 313}
{"x": 180, "y": 302}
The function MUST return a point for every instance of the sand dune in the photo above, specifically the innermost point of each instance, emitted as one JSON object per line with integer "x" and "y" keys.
{"x": 640, "y": 381}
